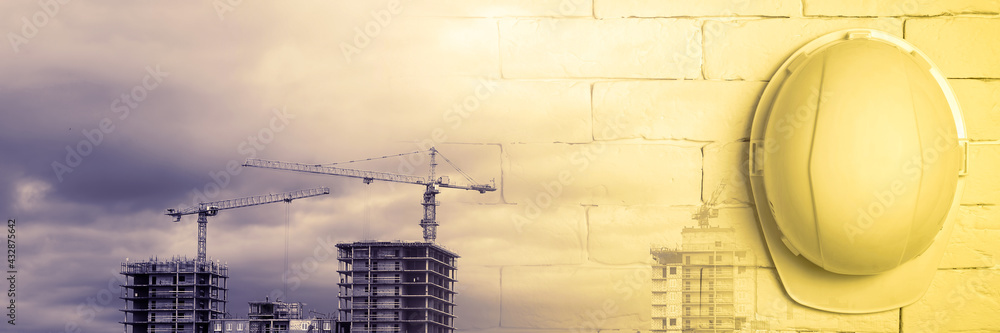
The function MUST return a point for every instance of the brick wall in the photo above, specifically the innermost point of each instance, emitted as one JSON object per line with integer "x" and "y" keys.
{"x": 610, "y": 121}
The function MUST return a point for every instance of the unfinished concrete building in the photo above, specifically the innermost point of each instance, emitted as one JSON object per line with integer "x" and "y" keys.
{"x": 277, "y": 317}
{"x": 707, "y": 285}
{"x": 397, "y": 287}
{"x": 176, "y": 295}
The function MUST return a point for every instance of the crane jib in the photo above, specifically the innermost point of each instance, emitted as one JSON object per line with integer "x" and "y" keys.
{"x": 328, "y": 170}
{"x": 429, "y": 220}
{"x": 365, "y": 175}
{"x": 206, "y": 209}
{"x": 248, "y": 201}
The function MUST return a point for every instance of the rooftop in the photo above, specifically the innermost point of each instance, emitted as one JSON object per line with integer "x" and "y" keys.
{"x": 396, "y": 243}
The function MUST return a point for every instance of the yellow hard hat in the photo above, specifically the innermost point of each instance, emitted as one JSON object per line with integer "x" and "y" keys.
{"x": 857, "y": 154}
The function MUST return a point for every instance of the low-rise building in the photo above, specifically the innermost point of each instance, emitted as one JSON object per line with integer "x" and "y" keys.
{"x": 277, "y": 317}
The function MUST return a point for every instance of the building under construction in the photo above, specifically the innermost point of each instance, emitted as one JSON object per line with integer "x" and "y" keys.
{"x": 384, "y": 286}
{"x": 176, "y": 295}
{"x": 277, "y": 317}
{"x": 707, "y": 285}
{"x": 397, "y": 287}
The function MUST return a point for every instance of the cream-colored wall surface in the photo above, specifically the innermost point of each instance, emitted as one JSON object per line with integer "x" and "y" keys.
{"x": 614, "y": 120}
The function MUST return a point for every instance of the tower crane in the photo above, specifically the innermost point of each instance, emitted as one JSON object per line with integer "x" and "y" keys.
{"x": 431, "y": 183}
{"x": 206, "y": 209}
{"x": 708, "y": 210}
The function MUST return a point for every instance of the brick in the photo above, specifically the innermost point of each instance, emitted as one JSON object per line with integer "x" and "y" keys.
{"x": 513, "y": 236}
{"x": 490, "y": 110}
{"x": 478, "y": 290}
{"x": 410, "y": 46}
{"x": 499, "y": 8}
{"x": 612, "y": 48}
{"x": 898, "y": 7}
{"x": 682, "y": 110}
{"x": 747, "y": 232}
{"x": 625, "y": 234}
{"x": 781, "y": 313}
{"x": 727, "y": 163}
{"x": 576, "y": 297}
{"x": 973, "y": 239}
{"x": 957, "y": 45}
{"x": 980, "y": 103}
{"x": 982, "y": 186}
{"x": 659, "y": 8}
{"x": 602, "y": 173}
{"x": 763, "y": 45}
{"x": 958, "y": 300}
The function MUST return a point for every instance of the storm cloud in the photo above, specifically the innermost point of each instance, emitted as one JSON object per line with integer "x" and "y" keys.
{"x": 114, "y": 111}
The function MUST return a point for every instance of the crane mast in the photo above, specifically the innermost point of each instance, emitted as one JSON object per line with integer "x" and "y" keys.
{"x": 432, "y": 184}
{"x": 708, "y": 210}
{"x": 206, "y": 209}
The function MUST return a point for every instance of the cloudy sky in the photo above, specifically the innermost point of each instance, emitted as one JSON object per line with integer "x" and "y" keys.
{"x": 114, "y": 111}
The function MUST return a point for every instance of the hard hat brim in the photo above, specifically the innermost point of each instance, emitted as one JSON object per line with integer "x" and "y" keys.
{"x": 813, "y": 286}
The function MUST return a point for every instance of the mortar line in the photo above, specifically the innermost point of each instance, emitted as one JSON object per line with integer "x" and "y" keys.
{"x": 900, "y": 320}
{"x": 586, "y": 230}
{"x": 593, "y": 126}
{"x": 503, "y": 188}
{"x": 702, "y": 194}
{"x": 499, "y": 50}
{"x": 904, "y": 27}
{"x": 703, "y": 48}
{"x": 500, "y": 291}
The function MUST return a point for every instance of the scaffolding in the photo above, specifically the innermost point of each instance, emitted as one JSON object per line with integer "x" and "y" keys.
{"x": 178, "y": 295}
{"x": 391, "y": 287}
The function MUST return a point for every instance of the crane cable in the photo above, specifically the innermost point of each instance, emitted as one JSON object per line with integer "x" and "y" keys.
{"x": 375, "y": 158}
{"x": 453, "y": 166}
{"x": 466, "y": 175}
{"x": 288, "y": 270}
{"x": 366, "y": 229}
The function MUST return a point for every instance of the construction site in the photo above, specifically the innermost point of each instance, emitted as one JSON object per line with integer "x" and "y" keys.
{"x": 707, "y": 283}
{"x": 397, "y": 287}
{"x": 384, "y": 286}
